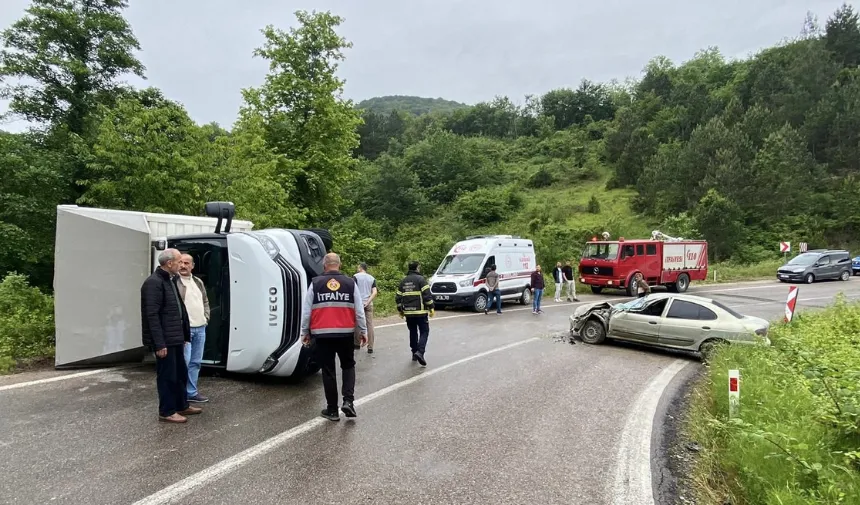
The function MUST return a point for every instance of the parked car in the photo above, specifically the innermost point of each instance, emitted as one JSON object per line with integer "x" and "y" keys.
{"x": 675, "y": 321}
{"x": 817, "y": 265}
{"x": 855, "y": 265}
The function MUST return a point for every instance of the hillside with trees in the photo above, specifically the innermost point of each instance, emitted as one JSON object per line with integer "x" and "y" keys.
{"x": 744, "y": 153}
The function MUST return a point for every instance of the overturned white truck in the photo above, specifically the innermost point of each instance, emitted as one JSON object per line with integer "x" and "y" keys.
{"x": 255, "y": 281}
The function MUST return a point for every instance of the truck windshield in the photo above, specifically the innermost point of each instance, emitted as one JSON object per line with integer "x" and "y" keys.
{"x": 600, "y": 251}
{"x": 460, "y": 264}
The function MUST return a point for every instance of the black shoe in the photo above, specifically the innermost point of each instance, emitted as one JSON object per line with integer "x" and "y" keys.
{"x": 331, "y": 414}
{"x": 348, "y": 409}
{"x": 370, "y": 351}
{"x": 419, "y": 357}
{"x": 414, "y": 356}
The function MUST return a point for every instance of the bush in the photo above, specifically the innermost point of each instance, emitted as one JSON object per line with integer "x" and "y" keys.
{"x": 26, "y": 322}
{"x": 796, "y": 438}
{"x": 540, "y": 179}
{"x": 594, "y": 205}
{"x": 487, "y": 205}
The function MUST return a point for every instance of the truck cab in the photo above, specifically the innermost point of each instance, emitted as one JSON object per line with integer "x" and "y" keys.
{"x": 255, "y": 282}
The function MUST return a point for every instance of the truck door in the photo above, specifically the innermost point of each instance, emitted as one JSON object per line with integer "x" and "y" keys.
{"x": 212, "y": 267}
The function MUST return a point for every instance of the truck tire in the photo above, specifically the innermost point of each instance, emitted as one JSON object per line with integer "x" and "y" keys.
{"x": 480, "y": 302}
{"x": 631, "y": 287}
{"x": 681, "y": 284}
{"x": 596, "y": 289}
{"x": 325, "y": 236}
{"x": 593, "y": 332}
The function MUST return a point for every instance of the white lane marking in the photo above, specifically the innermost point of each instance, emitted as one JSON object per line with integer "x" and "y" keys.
{"x": 632, "y": 483}
{"x": 59, "y": 378}
{"x": 187, "y": 485}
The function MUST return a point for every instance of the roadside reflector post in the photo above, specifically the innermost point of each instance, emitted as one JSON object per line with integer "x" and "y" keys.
{"x": 791, "y": 303}
{"x": 734, "y": 393}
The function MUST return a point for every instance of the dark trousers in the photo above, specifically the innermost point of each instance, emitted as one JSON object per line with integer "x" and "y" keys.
{"x": 419, "y": 332}
{"x": 342, "y": 347}
{"x": 493, "y": 297}
{"x": 171, "y": 377}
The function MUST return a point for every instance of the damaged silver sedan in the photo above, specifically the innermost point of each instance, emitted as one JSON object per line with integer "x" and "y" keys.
{"x": 675, "y": 321}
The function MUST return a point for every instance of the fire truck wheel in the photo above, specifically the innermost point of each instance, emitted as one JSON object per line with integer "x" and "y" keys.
{"x": 631, "y": 288}
{"x": 593, "y": 332}
{"x": 596, "y": 289}
{"x": 681, "y": 284}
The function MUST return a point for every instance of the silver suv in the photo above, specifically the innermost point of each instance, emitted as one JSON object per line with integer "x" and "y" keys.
{"x": 817, "y": 265}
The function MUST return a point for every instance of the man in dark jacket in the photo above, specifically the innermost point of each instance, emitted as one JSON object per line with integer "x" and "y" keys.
{"x": 537, "y": 285}
{"x": 415, "y": 303}
{"x": 166, "y": 331}
{"x": 332, "y": 312}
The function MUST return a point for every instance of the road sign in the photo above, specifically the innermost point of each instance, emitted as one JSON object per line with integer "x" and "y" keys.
{"x": 734, "y": 392}
{"x": 804, "y": 247}
{"x": 791, "y": 303}
{"x": 784, "y": 247}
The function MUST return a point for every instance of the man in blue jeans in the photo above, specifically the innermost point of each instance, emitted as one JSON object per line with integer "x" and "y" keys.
{"x": 537, "y": 283}
{"x": 494, "y": 293}
{"x": 193, "y": 293}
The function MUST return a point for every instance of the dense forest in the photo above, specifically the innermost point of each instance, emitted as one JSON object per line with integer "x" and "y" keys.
{"x": 744, "y": 153}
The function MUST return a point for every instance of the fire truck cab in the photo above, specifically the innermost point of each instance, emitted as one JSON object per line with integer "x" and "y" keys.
{"x": 662, "y": 260}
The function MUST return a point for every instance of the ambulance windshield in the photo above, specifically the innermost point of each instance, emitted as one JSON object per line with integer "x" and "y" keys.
{"x": 600, "y": 251}
{"x": 460, "y": 264}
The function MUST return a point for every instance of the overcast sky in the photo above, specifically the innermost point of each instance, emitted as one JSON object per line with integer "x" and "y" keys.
{"x": 199, "y": 52}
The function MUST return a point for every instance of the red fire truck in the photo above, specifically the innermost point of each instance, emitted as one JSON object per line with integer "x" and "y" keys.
{"x": 662, "y": 260}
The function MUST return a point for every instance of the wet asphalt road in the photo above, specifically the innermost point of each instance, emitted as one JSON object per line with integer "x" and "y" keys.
{"x": 535, "y": 423}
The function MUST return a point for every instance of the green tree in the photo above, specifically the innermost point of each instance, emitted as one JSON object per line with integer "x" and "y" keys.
{"x": 720, "y": 222}
{"x": 842, "y": 36}
{"x": 66, "y": 57}
{"x": 391, "y": 192}
{"x": 308, "y": 124}
{"x": 594, "y": 205}
{"x": 446, "y": 166}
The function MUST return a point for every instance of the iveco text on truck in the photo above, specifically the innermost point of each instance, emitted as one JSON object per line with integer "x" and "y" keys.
{"x": 255, "y": 281}
{"x": 662, "y": 260}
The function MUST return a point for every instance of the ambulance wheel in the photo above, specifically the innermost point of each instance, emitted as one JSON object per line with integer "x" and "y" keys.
{"x": 526, "y": 297}
{"x": 325, "y": 236}
{"x": 480, "y": 303}
{"x": 596, "y": 289}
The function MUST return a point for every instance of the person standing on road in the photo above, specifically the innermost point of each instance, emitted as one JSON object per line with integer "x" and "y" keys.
{"x": 558, "y": 278}
{"x": 166, "y": 330}
{"x": 642, "y": 287}
{"x": 570, "y": 281}
{"x": 331, "y": 312}
{"x": 537, "y": 286}
{"x": 415, "y": 303}
{"x": 367, "y": 287}
{"x": 193, "y": 293}
{"x": 494, "y": 293}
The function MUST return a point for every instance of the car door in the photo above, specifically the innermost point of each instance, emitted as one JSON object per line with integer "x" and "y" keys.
{"x": 641, "y": 325}
{"x": 687, "y": 324}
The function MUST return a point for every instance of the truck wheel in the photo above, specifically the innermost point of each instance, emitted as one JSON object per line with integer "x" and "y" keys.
{"x": 683, "y": 283}
{"x": 325, "y": 236}
{"x": 593, "y": 332}
{"x": 596, "y": 289}
{"x": 526, "y": 297}
{"x": 631, "y": 288}
{"x": 480, "y": 303}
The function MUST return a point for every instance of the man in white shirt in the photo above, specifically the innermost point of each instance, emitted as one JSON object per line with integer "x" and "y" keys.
{"x": 193, "y": 293}
{"x": 367, "y": 288}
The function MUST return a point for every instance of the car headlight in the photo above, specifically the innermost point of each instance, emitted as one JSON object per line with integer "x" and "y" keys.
{"x": 466, "y": 283}
{"x": 268, "y": 244}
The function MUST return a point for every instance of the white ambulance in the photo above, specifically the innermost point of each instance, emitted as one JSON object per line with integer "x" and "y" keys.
{"x": 460, "y": 281}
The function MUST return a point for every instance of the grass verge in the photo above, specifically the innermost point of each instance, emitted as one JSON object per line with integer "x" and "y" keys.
{"x": 733, "y": 272}
{"x": 796, "y": 439}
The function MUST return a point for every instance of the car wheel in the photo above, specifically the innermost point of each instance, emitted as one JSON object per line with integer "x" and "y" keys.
{"x": 596, "y": 289}
{"x": 809, "y": 278}
{"x": 593, "y": 332}
{"x": 845, "y": 276}
{"x": 708, "y": 347}
{"x": 526, "y": 297}
{"x": 480, "y": 303}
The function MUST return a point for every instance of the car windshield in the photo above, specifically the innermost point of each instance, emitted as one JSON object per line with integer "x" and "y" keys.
{"x": 804, "y": 259}
{"x": 631, "y": 305}
{"x": 728, "y": 309}
{"x": 460, "y": 264}
{"x": 600, "y": 251}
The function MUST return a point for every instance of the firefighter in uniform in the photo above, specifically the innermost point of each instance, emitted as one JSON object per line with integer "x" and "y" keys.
{"x": 415, "y": 303}
{"x": 332, "y": 311}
